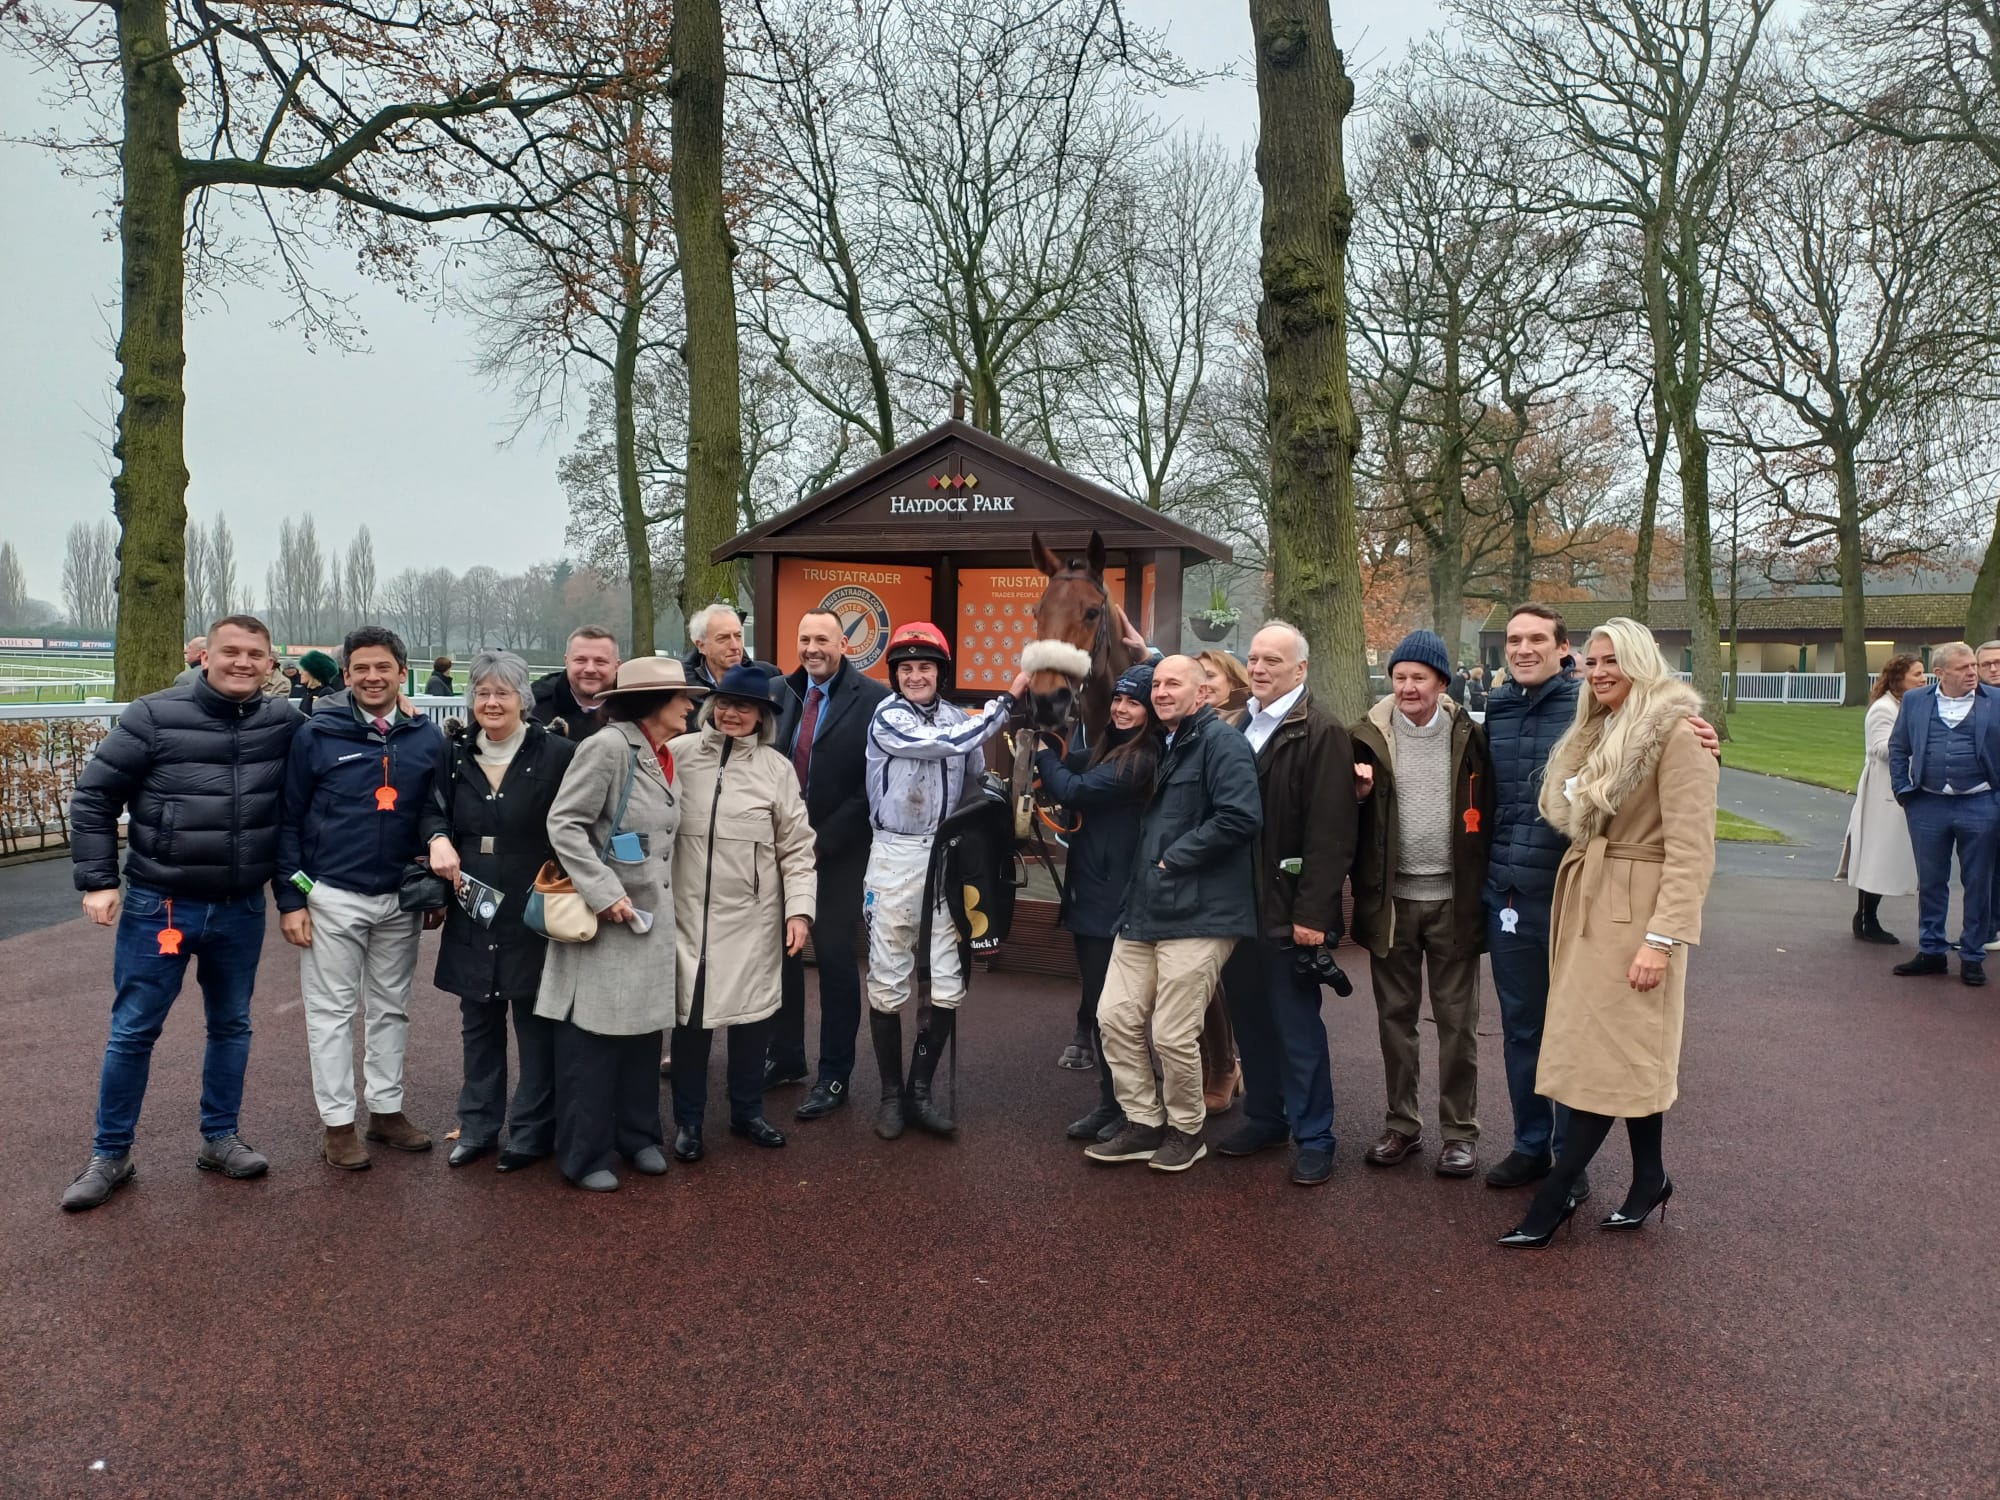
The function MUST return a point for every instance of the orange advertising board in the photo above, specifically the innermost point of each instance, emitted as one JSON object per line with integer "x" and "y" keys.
{"x": 996, "y": 618}
{"x": 871, "y": 599}
{"x": 1114, "y": 582}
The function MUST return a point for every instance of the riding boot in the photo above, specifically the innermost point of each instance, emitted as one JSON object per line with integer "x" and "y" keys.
{"x": 932, "y": 1039}
{"x": 885, "y": 1029}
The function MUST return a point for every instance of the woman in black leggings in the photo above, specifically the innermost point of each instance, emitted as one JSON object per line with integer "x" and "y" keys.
{"x": 1106, "y": 786}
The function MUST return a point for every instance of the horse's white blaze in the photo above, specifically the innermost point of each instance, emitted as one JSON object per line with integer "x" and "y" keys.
{"x": 1056, "y": 656}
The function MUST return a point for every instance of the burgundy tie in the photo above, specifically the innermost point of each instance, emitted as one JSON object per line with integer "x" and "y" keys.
{"x": 382, "y": 726}
{"x": 802, "y": 747}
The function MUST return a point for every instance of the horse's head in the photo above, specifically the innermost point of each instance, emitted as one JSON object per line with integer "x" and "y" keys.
{"x": 1073, "y": 629}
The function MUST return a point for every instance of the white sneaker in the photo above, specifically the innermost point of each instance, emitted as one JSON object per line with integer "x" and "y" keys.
{"x": 1994, "y": 946}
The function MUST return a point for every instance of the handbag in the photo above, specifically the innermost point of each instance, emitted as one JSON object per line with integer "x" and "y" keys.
{"x": 554, "y": 907}
{"x": 419, "y": 890}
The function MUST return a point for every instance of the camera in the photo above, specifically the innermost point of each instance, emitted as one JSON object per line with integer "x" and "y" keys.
{"x": 1320, "y": 965}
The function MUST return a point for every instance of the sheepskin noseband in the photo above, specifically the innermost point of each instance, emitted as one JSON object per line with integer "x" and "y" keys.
{"x": 1056, "y": 656}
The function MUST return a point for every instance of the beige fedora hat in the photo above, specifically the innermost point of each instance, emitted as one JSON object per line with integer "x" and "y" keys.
{"x": 654, "y": 674}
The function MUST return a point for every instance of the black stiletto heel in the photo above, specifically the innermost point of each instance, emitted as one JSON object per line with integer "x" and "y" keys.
{"x": 1622, "y": 1221}
{"x": 1515, "y": 1239}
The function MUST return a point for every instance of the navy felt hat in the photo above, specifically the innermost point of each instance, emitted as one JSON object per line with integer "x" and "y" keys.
{"x": 1137, "y": 682}
{"x": 1426, "y": 649}
{"x": 747, "y": 681}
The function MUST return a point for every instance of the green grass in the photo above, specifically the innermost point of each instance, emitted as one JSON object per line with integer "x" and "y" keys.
{"x": 1734, "y": 830}
{"x": 1817, "y": 745}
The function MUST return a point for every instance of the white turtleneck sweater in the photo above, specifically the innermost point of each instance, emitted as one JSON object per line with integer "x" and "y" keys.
{"x": 496, "y": 755}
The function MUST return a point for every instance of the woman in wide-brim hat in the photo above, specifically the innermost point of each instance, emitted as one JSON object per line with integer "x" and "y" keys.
{"x": 613, "y": 997}
{"x": 745, "y": 894}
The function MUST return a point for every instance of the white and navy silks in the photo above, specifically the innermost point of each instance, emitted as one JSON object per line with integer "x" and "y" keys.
{"x": 918, "y": 760}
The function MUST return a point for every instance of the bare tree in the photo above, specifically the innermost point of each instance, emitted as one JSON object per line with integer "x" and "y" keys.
{"x": 382, "y": 114}
{"x": 358, "y": 578}
{"x": 584, "y": 282}
{"x": 90, "y": 575}
{"x": 1303, "y": 99}
{"x": 1849, "y": 293}
{"x": 1642, "y": 102}
{"x": 223, "y": 597}
{"x": 1179, "y": 245}
{"x": 199, "y": 560}
{"x": 13, "y": 586}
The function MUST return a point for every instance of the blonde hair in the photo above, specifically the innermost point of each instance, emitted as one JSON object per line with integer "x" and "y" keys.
{"x": 1233, "y": 673}
{"x": 1607, "y": 740}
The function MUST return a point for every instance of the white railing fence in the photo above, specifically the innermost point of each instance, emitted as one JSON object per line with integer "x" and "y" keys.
{"x": 1785, "y": 687}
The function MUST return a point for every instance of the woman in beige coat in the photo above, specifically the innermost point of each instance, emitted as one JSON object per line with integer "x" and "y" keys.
{"x": 1635, "y": 792}
{"x": 1876, "y": 857}
{"x": 612, "y": 826}
{"x": 745, "y": 894}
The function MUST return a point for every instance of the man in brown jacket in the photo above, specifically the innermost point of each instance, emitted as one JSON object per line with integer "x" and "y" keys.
{"x": 1305, "y": 774}
{"x": 1419, "y": 873}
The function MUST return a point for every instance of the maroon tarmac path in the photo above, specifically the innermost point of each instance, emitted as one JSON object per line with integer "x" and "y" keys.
{"x": 1819, "y": 1317}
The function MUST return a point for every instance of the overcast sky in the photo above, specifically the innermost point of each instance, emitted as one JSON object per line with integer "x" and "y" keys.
{"x": 404, "y": 436}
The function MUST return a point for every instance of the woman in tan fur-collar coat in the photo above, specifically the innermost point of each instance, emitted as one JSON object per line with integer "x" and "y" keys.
{"x": 1635, "y": 792}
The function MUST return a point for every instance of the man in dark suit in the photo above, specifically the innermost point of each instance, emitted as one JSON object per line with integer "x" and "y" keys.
{"x": 1944, "y": 767}
{"x": 825, "y": 731}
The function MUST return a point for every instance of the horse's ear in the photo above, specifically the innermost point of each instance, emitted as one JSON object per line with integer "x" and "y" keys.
{"x": 1097, "y": 554}
{"x": 1044, "y": 559}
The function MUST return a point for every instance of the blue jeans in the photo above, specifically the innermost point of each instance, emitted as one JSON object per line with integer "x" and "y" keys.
{"x": 1282, "y": 1042}
{"x": 227, "y": 937}
{"x": 1972, "y": 825}
{"x": 1521, "y": 981}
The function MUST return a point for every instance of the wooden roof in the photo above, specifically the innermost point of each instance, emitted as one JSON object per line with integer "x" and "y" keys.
{"x": 958, "y": 489}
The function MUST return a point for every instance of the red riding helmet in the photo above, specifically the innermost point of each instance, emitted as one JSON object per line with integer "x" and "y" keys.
{"x": 919, "y": 640}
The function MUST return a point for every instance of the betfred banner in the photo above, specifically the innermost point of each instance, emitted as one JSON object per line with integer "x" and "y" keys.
{"x": 996, "y": 618}
{"x": 870, "y": 600}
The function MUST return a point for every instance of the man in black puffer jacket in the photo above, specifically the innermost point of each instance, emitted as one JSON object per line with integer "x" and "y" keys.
{"x": 201, "y": 766}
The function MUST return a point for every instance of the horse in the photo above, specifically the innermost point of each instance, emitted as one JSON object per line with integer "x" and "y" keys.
{"x": 1079, "y": 651}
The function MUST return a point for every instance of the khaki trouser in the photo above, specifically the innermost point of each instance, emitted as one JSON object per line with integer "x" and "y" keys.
{"x": 363, "y": 950}
{"x": 1168, "y": 984}
{"x": 1425, "y": 937}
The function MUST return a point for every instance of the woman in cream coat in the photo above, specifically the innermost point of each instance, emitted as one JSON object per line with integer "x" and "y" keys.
{"x": 745, "y": 894}
{"x": 612, "y": 997}
{"x": 1876, "y": 858}
{"x": 1635, "y": 792}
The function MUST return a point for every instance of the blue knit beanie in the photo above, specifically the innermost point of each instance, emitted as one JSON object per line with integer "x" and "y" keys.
{"x": 1136, "y": 683}
{"x": 1426, "y": 649}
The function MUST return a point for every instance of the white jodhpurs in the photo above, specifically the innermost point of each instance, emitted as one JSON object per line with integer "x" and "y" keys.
{"x": 891, "y": 905}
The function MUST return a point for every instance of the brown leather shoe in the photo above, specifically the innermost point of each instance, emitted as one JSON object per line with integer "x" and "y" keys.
{"x": 1220, "y": 1095}
{"x": 395, "y": 1130}
{"x": 1457, "y": 1159}
{"x": 342, "y": 1148}
{"x": 1391, "y": 1147}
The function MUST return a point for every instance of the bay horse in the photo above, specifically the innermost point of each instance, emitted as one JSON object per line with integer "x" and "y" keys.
{"x": 1079, "y": 651}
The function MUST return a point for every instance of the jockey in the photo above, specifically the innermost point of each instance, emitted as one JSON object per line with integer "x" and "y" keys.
{"x": 920, "y": 751}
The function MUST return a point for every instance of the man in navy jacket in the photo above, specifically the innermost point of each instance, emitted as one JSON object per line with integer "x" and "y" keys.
{"x": 830, "y": 755}
{"x": 199, "y": 767}
{"x": 1944, "y": 767}
{"x": 358, "y": 778}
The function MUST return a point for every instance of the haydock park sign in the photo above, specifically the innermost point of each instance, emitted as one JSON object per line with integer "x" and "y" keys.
{"x": 949, "y": 504}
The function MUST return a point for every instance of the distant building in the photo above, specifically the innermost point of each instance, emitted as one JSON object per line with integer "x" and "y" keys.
{"x": 1783, "y": 633}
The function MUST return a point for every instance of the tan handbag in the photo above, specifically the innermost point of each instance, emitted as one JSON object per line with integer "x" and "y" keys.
{"x": 555, "y": 910}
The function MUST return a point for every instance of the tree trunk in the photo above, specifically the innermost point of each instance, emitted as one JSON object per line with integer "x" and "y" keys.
{"x": 1853, "y": 600}
{"x": 715, "y": 424}
{"x": 1982, "y": 609}
{"x": 1698, "y": 566}
{"x": 149, "y": 491}
{"x": 1303, "y": 96}
{"x": 631, "y": 502}
{"x": 1649, "y": 512}
{"x": 1448, "y": 556}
